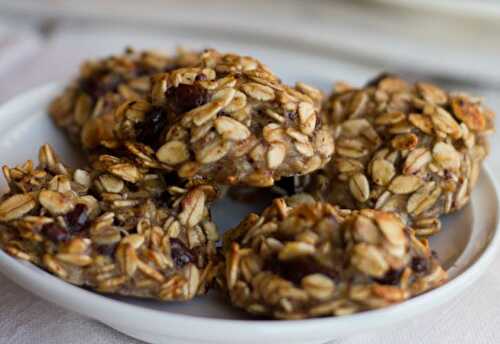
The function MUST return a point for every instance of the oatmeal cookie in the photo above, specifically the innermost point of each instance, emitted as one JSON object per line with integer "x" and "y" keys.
{"x": 228, "y": 120}
{"x": 114, "y": 228}
{"x": 84, "y": 110}
{"x": 315, "y": 260}
{"x": 410, "y": 148}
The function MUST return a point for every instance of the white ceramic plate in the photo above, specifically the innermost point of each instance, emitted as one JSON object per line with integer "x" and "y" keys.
{"x": 465, "y": 246}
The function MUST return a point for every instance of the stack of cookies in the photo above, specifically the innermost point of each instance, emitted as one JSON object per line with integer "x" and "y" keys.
{"x": 368, "y": 173}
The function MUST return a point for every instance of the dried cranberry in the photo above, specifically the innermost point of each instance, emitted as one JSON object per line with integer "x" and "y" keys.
{"x": 419, "y": 264}
{"x": 184, "y": 98}
{"x": 181, "y": 255}
{"x": 151, "y": 129}
{"x": 392, "y": 277}
{"x": 55, "y": 232}
{"x": 77, "y": 219}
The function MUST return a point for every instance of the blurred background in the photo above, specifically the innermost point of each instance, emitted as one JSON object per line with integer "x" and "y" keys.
{"x": 453, "y": 43}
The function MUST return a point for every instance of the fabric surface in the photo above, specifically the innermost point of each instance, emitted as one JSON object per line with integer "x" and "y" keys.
{"x": 472, "y": 317}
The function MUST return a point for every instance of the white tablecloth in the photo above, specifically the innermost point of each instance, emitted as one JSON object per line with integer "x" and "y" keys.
{"x": 473, "y": 317}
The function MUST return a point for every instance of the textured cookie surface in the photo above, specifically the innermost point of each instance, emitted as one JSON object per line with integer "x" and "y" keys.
{"x": 229, "y": 120}
{"x": 313, "y": 260}
{"x": 85, "y": 108}
{"x": 413, "y": 149}
{"x": 115, "y": 228}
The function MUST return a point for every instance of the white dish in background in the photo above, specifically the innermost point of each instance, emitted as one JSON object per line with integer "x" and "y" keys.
{"x": 489, "y": 9}
{"x": 466, "y": 247}
{"x": 389, "y": 38}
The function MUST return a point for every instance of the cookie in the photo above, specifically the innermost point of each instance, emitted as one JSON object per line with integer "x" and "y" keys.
{"x": 114, "y": 228}
{"x": 410, "y": 148}
{"x": 229, "y": 120}
{"x": 315, "y": 260}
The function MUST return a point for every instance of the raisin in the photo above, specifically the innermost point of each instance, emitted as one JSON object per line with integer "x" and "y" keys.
{"x": 100, "y": 83}
{"x": 165, "y": 199}
{"x": 151, "y": 129}
{"x": 55, "y": 232}
{"x": 419, "y": 264}
{"x": 294, "y": 271}
{"x": 292, "y": 115}
{"x": 181, "y": 255}
{"x": 201, "y": 77}
{"x": 392, "y": 277}
{"x": 133, "y": 187}
{"x": 107, "y": 250}
{"x": 77, "y": 219}
{"x": 171, "y": 178}
{"x": 186, "y": 97}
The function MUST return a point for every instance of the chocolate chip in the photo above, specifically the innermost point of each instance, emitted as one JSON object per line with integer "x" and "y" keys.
{"x": 184, "y": 98}
{"x": 77, "y": 219}
{"x": 181, "y": 255}
{"x": 55, "y": 232}
{"x": 419, "y": 264}
{"x": 151, "y": 129}
{"x": 392, "y": 277}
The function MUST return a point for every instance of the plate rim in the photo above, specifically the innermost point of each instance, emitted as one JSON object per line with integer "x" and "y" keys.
{"x": 97, "y": 305}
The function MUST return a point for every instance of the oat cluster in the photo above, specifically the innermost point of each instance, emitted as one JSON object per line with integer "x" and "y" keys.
{"x": 314, "y": 259}
{"x": 165, "y": 134}
{"x": 412, "y": 149}
{"x": 114, "y": 228}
